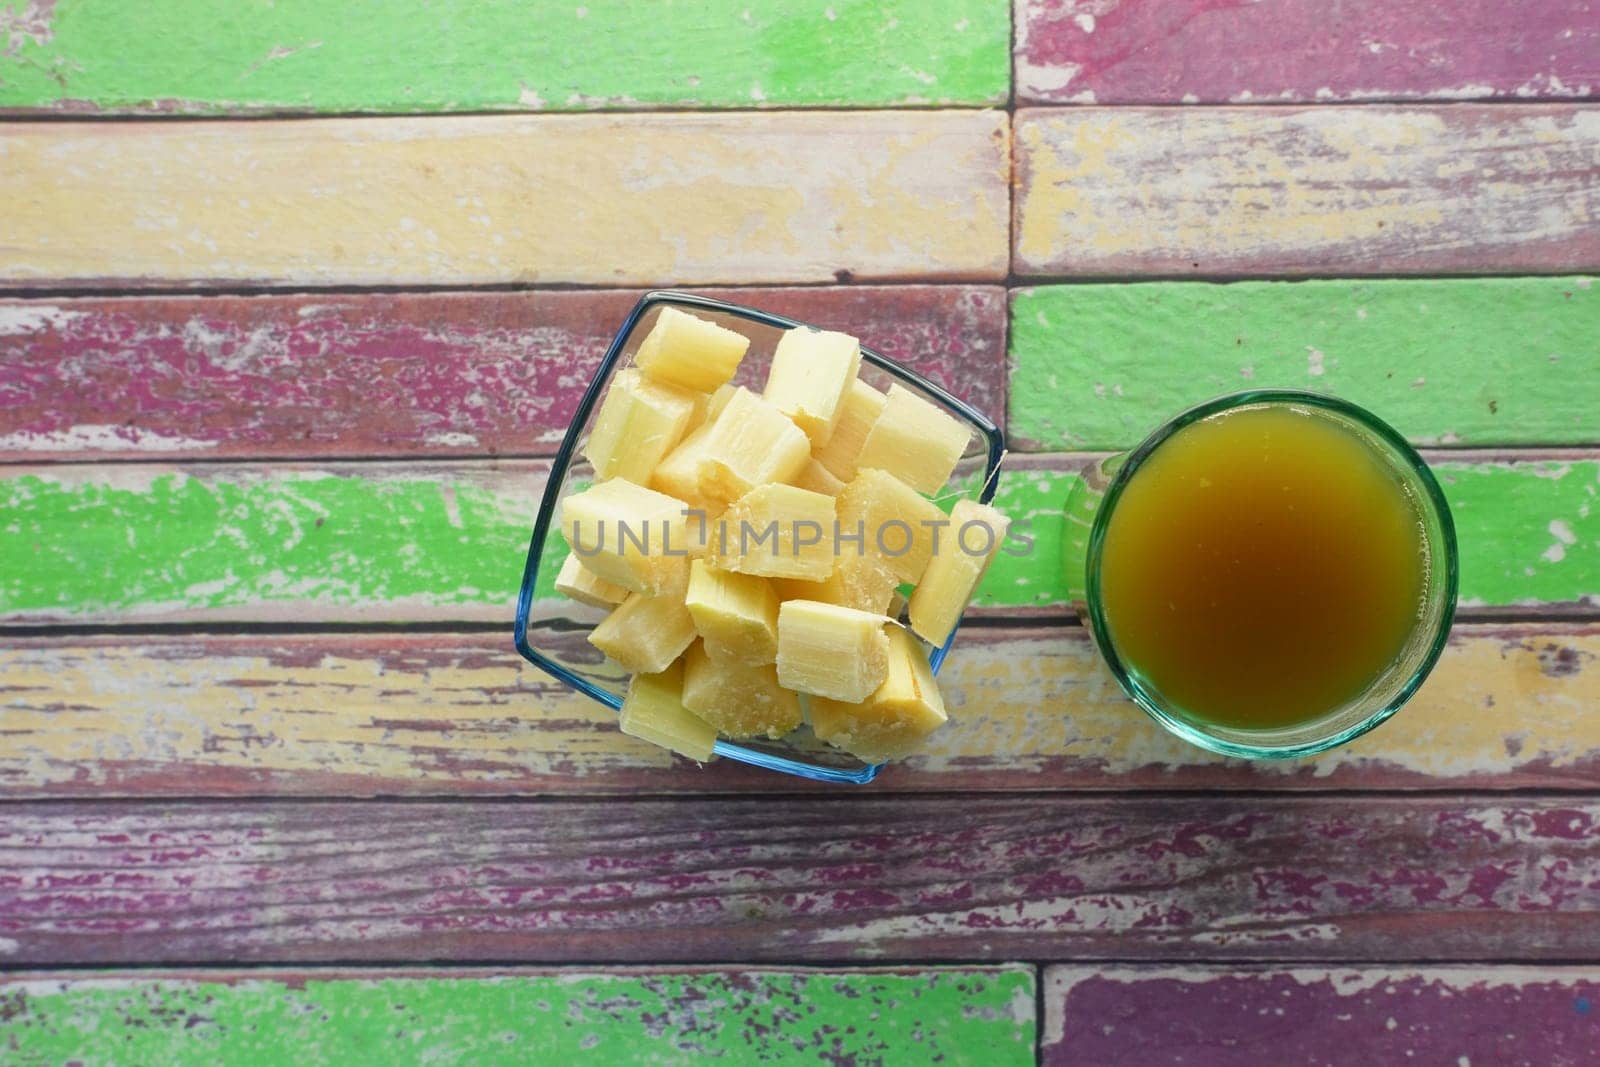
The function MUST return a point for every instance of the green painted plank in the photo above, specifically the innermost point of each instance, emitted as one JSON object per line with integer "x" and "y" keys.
{"x": 974, "y": 1015}
{"x": 1470, "y": 361}
{"x": 364, "y": 541}
{"x": 446, "y": 541}
{"x": 461, "y": 55}
{"x": 1528, "y": 531}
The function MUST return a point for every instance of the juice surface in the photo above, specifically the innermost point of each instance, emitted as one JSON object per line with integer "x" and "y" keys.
{"x": 1261, "y": 568}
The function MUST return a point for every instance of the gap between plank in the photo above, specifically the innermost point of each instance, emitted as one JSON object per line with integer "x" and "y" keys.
{"x": 1578, "y": 615}
{"x": 965, "y": 798}
{"x": 1011, "y": 105}
{"x": 435, "y": 966}
{"x": 1009, "y": 281}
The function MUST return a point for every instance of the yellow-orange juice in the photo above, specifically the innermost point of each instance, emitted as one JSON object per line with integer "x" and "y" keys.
{"x": 1262, "y": 567}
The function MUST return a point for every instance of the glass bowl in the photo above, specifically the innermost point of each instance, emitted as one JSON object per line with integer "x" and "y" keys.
{"x": 551, "y": 630}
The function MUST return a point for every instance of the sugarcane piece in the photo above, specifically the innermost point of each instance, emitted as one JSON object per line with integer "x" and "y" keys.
{"x": 639, "y": 421}
{"x": 653, "y": 711}
{"x": 577, "y": 582}
{"x": 860, "y": 408}
{"x": 819, "y": 479}
{"x": 896, "y": 524}
{"x": 750, "y": 444}
{"x": 631, "y": 536}
{"x": 968, "y": 546}
{"x": 831, "y": 651}
{"x": 686, "y": 350}
{"x": 810, "y": 374}
{"x": 736, "y": 615}
{"x": 895, "y": 720}
{"x": 644, "y": 634}
{"x": 678, "y": 473}
{"x": 709, "y": 406}
{"x": 861, "y": 582}
{"x": 738, "y": 699}
{"x": 777, "y": 531}
{"x": 915, "y": 441}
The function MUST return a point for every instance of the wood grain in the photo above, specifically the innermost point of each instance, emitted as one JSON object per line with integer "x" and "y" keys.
{"x": 1508, "y": 707}
{"x": 1307, "y": 191}
{"x": 469, "y": 55}
{"x": 1194, "y": 51}
{"x": 445, "y": 542}
{"x": 405, "y": 374}
{"x": 1446, "y": 361}
{"x": 977, "y": 1015}
{"x": 1159, "y": 1016}
{"x": 588, "y": 199}
{"x": 846, "y": 878}
{"x": 1525, "y": 522}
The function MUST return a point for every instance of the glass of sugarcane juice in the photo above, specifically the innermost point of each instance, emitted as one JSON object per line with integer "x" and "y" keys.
{"x": 1268, "y": 575}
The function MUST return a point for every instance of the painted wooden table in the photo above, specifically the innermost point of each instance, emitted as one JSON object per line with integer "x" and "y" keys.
{"x": 297, "y": 305}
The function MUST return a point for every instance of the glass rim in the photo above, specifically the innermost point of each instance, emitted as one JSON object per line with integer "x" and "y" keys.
{"x": 561, "y": 462}
{"x": 1434, "y": 501}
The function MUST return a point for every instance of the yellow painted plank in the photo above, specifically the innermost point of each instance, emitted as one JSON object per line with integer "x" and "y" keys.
{"x": 1320, "y": 190}
{"x": 593, "y": 199}
{"x": 1508, "y": 706}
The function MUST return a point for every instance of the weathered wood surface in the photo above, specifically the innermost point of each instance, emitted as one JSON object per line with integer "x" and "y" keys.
{"x": 405, "y": 374}
{"x": 444, "y": 542}
{"x": 1489, "y": 361}
{"x": 844, "y": 878}
{"x": 1305, "y": 191}
{"x": 1195, "y": 51}
{"x": 360, "y": 541}
{"x": 467, "y": 55}
{"x": 956, "y": 1015}
{"x": 688, "y": 199}
{"x": 1508, "y": 707}
{"x": 1457, "y": 361}
{"x": 1526, "y": 521}
{"x": 1158, "y": 1016}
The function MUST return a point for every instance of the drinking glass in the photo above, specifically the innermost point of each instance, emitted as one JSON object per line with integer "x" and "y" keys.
{"x": 1093, "y": 501}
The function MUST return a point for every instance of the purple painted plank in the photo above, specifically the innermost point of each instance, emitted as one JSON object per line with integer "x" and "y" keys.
{"x": 1218, "y": 51}
{"x": 851, "y": 877}
{"x": 394, "y": 374}
{"x": 1211, "y": 1017}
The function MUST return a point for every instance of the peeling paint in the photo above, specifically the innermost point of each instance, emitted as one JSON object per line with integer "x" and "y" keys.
{"x": 769, "y": 208}
{"x": 1028, "y": 708}
{"x": 1202, "y": 52}
{"x": 1230, "y": 190}
{"x": 298, "y": 55}
{"x": 659, "y": 1016}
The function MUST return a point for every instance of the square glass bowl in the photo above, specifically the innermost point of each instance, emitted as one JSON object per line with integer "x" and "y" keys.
{"x": 551, "y": 630}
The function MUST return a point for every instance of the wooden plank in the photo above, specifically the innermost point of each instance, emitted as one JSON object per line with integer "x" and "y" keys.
{"x": 365, "y": 542}
{"x": 634, "y": 200}
{"x": 408, "y": 374}
{"x": 1191, "y": 51}
{"x": 220, "y": 542}
{"x": 426, "y": 713}
{"x": 1304, "y": 191}
{"x": 1393, "y": 1013}
{"x": 661, "y": 1015}
{"x": 1526, "y": 523}
{"x": 461, "y": 55}
{"x": 846, "y": 878}
{"x": 1446, "y": 361}
{"x": 1503, "y": 563}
